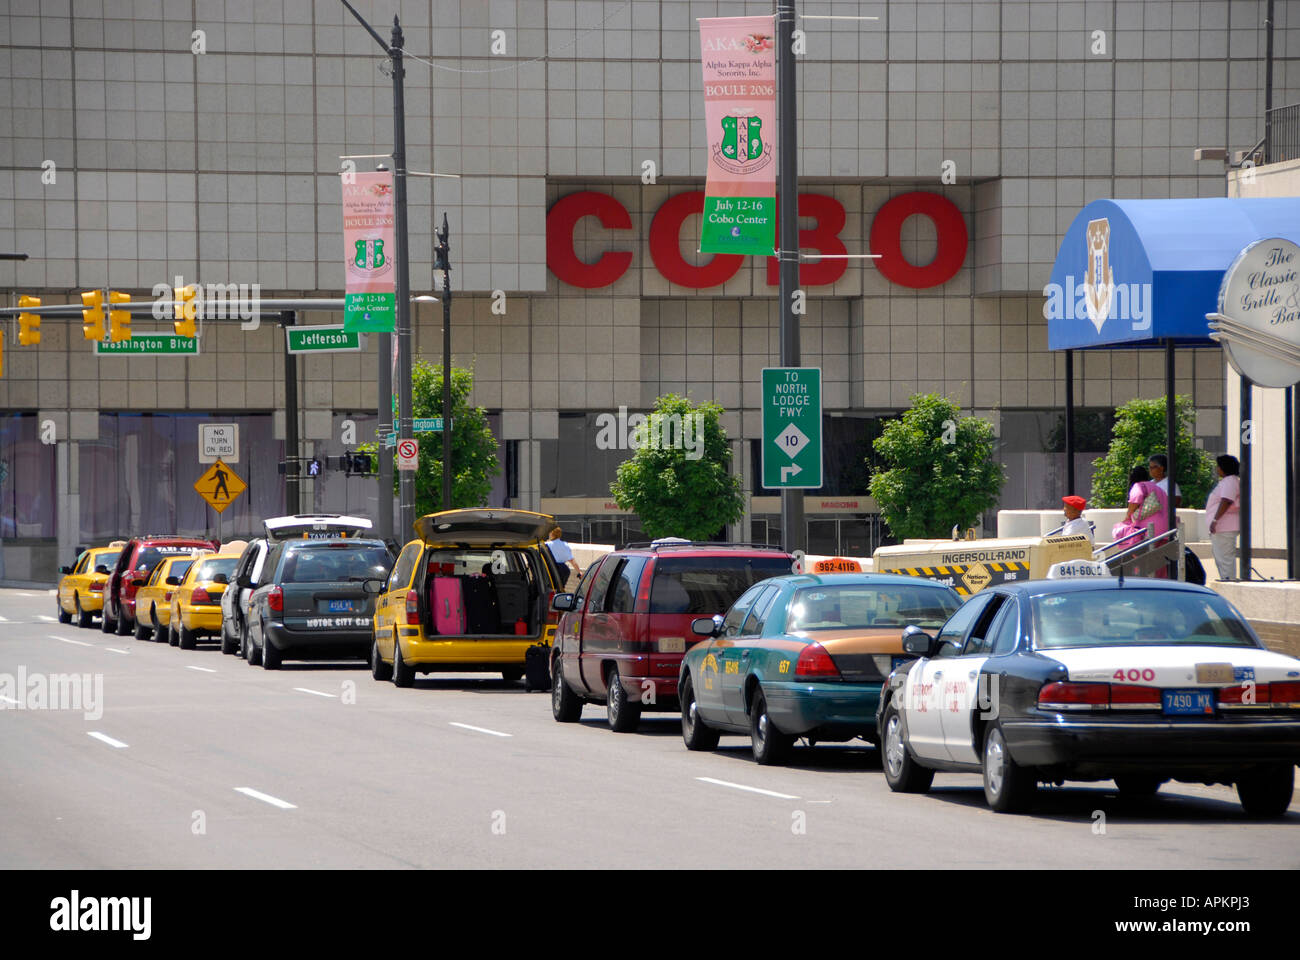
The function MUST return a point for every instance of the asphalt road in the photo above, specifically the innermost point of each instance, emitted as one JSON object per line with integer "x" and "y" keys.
{"x": 200, "y": 760}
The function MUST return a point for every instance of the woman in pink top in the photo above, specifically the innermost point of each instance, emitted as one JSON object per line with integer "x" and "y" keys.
{"x": 1225, "y": 516}
{"x": 1140, "y": 509}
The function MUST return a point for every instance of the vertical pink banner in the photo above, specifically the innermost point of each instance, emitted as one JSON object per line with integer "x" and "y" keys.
{"x": 739, "y": 59}
{"x": 368, "y": 229}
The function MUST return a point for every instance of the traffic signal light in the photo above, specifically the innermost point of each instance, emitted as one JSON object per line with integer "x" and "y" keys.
{"x": 313, "y": 467}
{"x": 29, "y": 324}
{"x": 119, "y": 321}
{"x": 186, "y": 310}
{"x": 442, "y": 248}
{"x": 356, "y": 464}
{"x": 92, "y": 322}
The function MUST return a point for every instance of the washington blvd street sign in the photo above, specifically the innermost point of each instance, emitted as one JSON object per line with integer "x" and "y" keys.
{"x": 323, "y": 339}
{"x": 792, "y": 427}
{"x": 418, "y": 425}
{"x": 149, "y": 344}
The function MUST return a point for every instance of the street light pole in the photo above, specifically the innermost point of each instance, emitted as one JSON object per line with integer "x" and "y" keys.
{"x": 442, "y": 254}
{"x": 405, "y": 428}
{"x": 793, "y": 532}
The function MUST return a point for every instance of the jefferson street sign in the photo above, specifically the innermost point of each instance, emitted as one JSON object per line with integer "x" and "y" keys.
{"x": 149, "y": 344}
{"x": 792, "y": 427}
{"x": 320, "y": 339}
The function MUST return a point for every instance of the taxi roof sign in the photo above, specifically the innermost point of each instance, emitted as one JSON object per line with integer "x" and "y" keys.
{"x": 312, "y": 525}
{"x": 1069, "y": 569}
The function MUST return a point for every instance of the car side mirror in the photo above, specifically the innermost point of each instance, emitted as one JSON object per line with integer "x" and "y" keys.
{"x": 707, "y": 626}
{"x": 372, "y": 586}
{"x": 563, "y": 601}
{"x": 65, "y": 569}
{"x": 917, "y": 642}
{"x": 221, "y": 578}
{"x": 102, "y": 568}
{"x": 141, "y": 580}
{"x": 245, "y": 581}
{"x": 173, "y": 581}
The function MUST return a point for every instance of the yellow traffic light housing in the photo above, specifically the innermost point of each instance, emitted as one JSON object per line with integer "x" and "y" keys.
{"x": 186, "y": 310}
{"x": 29, "y": 324}
{"x": 119, "y": 321}
{"x": 92, "y": 318}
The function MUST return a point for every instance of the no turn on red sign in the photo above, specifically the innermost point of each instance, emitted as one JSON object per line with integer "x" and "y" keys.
{"x": 408, "y": 454}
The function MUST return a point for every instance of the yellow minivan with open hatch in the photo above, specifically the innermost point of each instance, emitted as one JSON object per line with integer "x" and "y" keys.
{"x": 471, "y": 594}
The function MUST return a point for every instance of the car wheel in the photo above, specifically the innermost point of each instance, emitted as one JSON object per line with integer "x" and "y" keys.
{"x": 378, "y": 669}
{"x": 188, "y": 637}
{"x": 123, "y": 628}
{"x": 902, "y": 772}
{"x": 566, "y": 706}
{"x": 1138, "y": 785}
{"x": 64, "y": 617}
{"x": 252, "y": 652}
{"x": 1008, "y": 787}
{"x": 84, "y": 620}
{"x": 403, "y": 675}
{"x": 512, "y": 675}
{"x": 159, "y": 633}
{"x": 771, "y": 746}
{"x": 105, "y": 624}
{"x": 141, "y": 631}
{"x": 624, "y": 715}
{"x": 697, "y": 734}
{"x": 172, "y": 639}
{"x": 271, "y": 657}
{"x": 1265, "y": 793}
{"x": 228, "y": 643}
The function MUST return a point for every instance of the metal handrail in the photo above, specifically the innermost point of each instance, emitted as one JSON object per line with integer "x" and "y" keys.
{"x": 1284, "y": 133}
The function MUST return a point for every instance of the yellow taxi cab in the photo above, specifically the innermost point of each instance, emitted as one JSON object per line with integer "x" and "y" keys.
{"x": 153, "y": 600}
{"x": 471, "y": 594}
{"x": 196, "y": 601}
{"x": 81, "y": 589}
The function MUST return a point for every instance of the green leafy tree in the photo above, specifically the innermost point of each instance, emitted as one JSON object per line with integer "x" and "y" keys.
{"x": 473, "y": 447}
{"x": 940, "y": 470}
{"x": 675, "y": 492}
{"x": 1139, "y": 432}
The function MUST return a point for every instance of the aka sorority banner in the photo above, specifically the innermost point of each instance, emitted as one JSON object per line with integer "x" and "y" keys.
{"x": 371, "y": 302}
{"x": 739, "y": 56}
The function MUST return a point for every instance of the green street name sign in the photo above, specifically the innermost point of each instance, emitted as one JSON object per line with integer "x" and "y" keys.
{"x": 792, "y": 427}
{"x": 322, "y": 339}
{"x": 418, "y": 425}
{"x": 148, "y": 345}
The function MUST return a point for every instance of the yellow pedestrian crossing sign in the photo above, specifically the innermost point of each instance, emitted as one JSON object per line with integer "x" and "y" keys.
{"x": 219, "y": 485}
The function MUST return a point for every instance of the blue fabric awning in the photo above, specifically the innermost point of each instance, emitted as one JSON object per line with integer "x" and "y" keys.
{"x": 1136, "y": 272}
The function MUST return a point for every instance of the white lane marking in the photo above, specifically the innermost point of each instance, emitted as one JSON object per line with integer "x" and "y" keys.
{"x": 106, "y": 739}
{"x": 8, "y": 699}
{"x": 41, "y": 616}
{"x": 495, "y": 733}
{"x": 80, "y": 643}
{"x": 4, "y": 619}
{"x": 266, "y": 798}
{"x": 202, "y": 669}
{"x": 117, "y": 650}
{"x": 316, "y": 692}
{"x": 741, "y": 786}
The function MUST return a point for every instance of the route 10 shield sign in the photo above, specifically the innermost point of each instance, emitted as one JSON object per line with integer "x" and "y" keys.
{"x": 792, "y": 427}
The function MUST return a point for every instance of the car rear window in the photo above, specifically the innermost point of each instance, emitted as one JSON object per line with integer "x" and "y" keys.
{"x": 179, "y": 569}
{"x": 210, "y": 568}
{"x": 708, "y": 585}
{"x": 104, "y": 560}
{"x": 1131, "y": 616}
{"x": 150, "y": 557}
{"x": 863, "y": 605}
{"x": 335, "y": 562}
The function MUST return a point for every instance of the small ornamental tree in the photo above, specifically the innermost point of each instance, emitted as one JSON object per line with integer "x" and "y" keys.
{"x": 473, "y": 447}
{"x": 940, "y": 470}
{"x": 1140, "y": 432}
{"x": 679, "y": 480}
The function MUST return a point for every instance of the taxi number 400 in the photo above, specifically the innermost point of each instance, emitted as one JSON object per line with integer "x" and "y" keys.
{"x": 1134, "y": 675}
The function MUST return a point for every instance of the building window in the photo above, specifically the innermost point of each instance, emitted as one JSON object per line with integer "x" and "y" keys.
{"x": 27, "y": 486}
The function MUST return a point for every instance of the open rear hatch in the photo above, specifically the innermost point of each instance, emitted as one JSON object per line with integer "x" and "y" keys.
{"x": 484, "y": 528}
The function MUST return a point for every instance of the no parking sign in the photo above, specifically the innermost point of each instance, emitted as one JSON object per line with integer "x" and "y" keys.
{"x": 408, "y": 454}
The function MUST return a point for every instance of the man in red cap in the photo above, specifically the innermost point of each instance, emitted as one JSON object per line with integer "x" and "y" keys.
{"x": 1075, "y": 525}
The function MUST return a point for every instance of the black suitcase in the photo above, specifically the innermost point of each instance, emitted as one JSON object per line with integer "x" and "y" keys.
{"x": 480, "y": 600}
{"x": 512, "y": 601}
{"x": 537, "y": 667}
{"x": 1193, "y": 571}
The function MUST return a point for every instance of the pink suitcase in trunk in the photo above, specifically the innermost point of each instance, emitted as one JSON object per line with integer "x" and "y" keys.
{"x": 448, "y": 607}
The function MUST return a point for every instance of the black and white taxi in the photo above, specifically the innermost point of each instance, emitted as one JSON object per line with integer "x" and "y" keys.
{"x": 1137, "y": 681}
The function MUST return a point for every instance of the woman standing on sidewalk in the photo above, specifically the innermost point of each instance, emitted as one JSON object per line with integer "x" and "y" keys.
{"x": 1224, "y": 515}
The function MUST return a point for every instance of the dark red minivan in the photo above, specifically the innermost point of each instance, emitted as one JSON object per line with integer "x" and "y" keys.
{"x": 623, "y": 632}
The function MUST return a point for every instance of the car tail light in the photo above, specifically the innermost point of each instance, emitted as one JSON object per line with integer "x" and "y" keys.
{"x": 1245, "y": 695}
{"x": 1129, "y": 695}
{"x": 552, "y": 615}
{"x": 814, "y": 661}
{"x": 643, "y": 591}
{"x": 275, "y": 599}
{"x": 96, "y": 588}
{"x": 412, "y": 608}
{"x": 1074, "y": 696}
{"x": 1283, "y": 695}
{"x": 200, "y": 595}
{"x": 167, "y": 597}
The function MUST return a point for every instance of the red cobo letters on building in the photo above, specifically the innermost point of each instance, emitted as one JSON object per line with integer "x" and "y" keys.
{"x": 824, "y": 237}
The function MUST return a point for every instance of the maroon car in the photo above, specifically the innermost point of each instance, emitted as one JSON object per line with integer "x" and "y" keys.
{"x": 623, "y": 633}
{"x": 134, "y": 565}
